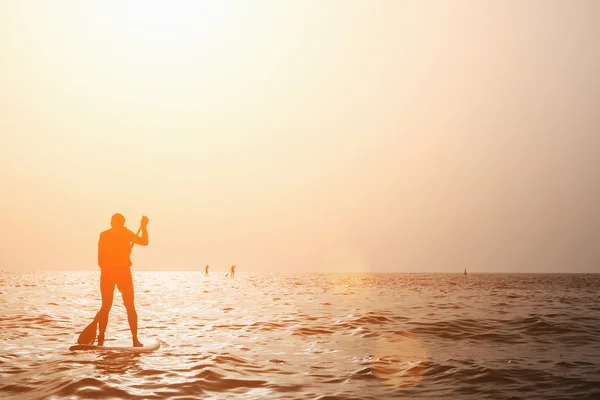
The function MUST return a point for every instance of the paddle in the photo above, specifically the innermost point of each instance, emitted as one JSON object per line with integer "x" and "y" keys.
{"x": 88, "y": 335}
{"x": 137, "y": 234}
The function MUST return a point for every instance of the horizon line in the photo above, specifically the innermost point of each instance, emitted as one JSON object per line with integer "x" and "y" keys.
{"x": 326, "y": 272}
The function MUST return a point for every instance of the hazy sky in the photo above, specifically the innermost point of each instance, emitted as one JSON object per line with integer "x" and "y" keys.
{"x": 303, "y": 135}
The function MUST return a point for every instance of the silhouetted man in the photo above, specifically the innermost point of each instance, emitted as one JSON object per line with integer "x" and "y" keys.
{"x": 114, "y": 249}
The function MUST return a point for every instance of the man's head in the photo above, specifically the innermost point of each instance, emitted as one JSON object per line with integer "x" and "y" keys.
{"x": 117, "y": 221}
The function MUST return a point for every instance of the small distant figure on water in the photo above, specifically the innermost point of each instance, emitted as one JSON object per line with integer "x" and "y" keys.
{"x": 206, "y": 271}
{"x": 465, "y": 271}
{"x": 231, "y": 271}
{"x": 114, "y": 250}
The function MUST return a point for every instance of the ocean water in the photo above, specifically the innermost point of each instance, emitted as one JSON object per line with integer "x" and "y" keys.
{"x": 311, "y": 336}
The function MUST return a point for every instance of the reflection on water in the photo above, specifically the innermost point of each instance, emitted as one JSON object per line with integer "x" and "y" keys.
{"x": 111, "y": 362}
{"x": 363, "y": 336}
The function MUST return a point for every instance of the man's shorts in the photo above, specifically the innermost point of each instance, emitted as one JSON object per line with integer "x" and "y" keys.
{"x": 120, "y": 277}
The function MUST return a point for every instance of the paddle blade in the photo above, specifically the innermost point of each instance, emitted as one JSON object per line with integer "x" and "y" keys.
{"x": 88, "y": 335}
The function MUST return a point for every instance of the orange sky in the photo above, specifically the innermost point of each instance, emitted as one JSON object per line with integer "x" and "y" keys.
{"x": 302, "y": 135}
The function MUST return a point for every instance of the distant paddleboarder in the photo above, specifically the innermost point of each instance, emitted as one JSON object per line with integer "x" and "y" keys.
{"x": 114, "y": 249}
{"x": 231, "y": 271}
{"x": 206, "y": 271}
{"x": 465, "y": 271}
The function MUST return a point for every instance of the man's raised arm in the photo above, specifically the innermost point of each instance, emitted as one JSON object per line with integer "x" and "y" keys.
{"x": 143, "y": 240}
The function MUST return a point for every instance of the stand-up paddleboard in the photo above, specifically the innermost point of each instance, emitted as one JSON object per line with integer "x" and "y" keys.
{"x": 152, "y": 345}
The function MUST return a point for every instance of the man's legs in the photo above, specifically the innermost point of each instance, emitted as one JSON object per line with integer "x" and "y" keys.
{"x": 126, "y": 288}
{"x": 107, "y": 289}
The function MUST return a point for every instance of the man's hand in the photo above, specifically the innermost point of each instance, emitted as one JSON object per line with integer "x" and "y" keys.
{"x": 144, "y": 222}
